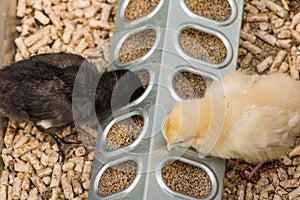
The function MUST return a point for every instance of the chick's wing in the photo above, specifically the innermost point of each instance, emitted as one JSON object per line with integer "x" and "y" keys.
{"x": 263, "y": 132}
{"x": 48, "y": 104}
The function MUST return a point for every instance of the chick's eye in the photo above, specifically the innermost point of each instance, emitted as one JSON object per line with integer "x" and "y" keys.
{"x": 180, "y": 142}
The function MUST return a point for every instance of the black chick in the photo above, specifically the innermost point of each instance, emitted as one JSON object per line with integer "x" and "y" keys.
{"x": 54, "y": 90}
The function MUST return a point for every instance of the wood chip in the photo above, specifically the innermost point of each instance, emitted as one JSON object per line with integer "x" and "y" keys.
{"x": 43, "y": 19}
{"x": 67, "y": 187}
{"x": 251, "y": 47}
{"x": 22, "y": 47}
{"x": 275, "y": 8}
{"x": 32, "y": 39}
{"x": 21, "y": 8}
{"x": 278, "y": 60}
{"x": 249, "y": 36}
{"x": 293, "y": 63}
{"x": 100, "y": 24}
{"x": 260, "y": 17}
{"x": 265, "y": 64}
{"x": 266, "y": 37}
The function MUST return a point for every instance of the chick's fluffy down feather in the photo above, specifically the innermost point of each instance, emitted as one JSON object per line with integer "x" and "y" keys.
{"x": 53, "y": 90}
{"x": 249, "y": 117}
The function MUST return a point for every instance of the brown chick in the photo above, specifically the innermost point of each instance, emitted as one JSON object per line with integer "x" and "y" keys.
{"x": 54, "y": 90}
{"x": 249, "y": 117}
{"x": 59, "y": 89}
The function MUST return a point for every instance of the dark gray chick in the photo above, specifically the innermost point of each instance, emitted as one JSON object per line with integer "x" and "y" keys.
{"x": 53, "y": 90}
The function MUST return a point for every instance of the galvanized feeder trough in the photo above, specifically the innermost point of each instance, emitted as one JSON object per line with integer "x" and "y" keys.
{"x": 162, "y": 61}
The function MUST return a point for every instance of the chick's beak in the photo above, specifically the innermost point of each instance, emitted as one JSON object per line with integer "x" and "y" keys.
{"x": 170, "y": 147}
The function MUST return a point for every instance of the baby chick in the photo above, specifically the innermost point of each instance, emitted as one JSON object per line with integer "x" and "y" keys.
{"x": 249, "y": 117}
{"x": 54, "y": 90}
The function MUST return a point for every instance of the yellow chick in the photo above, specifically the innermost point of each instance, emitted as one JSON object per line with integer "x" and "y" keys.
{"x": 249, "y": 117}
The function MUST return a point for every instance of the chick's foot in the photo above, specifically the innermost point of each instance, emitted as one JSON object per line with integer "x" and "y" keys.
{"x": 255, "y": 169}
{"x": 63, "y": 146}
